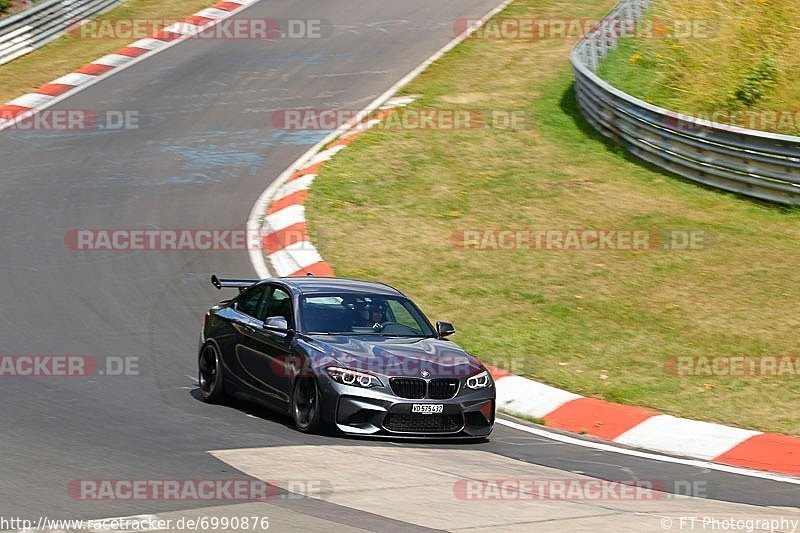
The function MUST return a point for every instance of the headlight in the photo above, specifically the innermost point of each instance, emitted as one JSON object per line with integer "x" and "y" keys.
{"x": 479, "y": 381}
{"x": 352, "y": 377}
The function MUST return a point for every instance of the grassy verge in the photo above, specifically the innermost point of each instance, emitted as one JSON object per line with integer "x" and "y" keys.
{"x": 599, "y": 323}
{"x": 12, "y": 7}
{"x": 70, "y": 52}
{"x": 739, "y": 56}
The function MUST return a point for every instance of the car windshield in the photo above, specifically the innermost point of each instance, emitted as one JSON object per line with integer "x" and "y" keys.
{"x": 362, "y": 314}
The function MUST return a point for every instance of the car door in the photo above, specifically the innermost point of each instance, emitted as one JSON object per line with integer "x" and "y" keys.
{"x": 266, "y": 354}
{"x": 243, "y": 320}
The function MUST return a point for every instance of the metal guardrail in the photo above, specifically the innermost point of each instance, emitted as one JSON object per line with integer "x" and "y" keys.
{"x": 753, "y": 163}
{"x": 37, "y": 26}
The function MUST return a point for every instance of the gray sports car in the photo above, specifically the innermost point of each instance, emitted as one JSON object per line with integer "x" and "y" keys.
{"x": 341, "y": 355}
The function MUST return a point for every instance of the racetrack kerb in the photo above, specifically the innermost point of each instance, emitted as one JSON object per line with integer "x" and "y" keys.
{"x": 70, "y": 51}
{"x": 599, "y": 323}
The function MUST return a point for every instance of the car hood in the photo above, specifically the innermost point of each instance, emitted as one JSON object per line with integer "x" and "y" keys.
{"x": 396, "y": 357}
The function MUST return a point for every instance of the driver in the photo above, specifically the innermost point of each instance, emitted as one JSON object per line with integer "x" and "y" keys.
{"x": 376, "y": 314}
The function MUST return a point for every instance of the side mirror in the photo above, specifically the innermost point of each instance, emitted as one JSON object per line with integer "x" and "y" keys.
{"x": 443, "y": 329}
{"x": 277, "y": 323}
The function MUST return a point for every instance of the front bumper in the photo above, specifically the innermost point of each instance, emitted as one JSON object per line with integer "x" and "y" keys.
{"x": 378, "y": 412}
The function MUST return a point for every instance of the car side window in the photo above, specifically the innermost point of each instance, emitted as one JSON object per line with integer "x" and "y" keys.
{"x": 248, "y": 302}
{"x": 278, "y": 303}
{"x": 402, "y": 316}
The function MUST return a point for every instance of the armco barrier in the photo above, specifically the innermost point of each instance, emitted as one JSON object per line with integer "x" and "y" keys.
{"x": 42, "y": 23}
{"x": 753, "y": 163}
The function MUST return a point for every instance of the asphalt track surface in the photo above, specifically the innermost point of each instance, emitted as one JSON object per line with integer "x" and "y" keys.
{"x": 203, "y": 153}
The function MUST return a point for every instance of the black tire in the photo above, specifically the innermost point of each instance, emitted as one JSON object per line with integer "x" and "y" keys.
{"x": 210, "y": 375}
{"x": 306, "y": 410}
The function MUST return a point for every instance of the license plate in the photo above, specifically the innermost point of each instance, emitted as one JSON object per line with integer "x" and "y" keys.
{"x": 427, "y": 408}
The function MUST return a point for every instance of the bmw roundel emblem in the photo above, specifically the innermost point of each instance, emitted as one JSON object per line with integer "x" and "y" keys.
{"x": 425, "y": 374}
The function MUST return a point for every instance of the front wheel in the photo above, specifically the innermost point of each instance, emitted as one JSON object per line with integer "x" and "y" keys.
{"x": 305, "y": 405}
{"x": 210, "y": 375}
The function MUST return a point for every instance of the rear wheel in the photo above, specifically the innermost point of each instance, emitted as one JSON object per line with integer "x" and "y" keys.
{"x": 210, "y": 375}
{"x": 305, "y": 405}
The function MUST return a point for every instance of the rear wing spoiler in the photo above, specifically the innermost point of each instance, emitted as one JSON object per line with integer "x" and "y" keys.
{"x": 231, "y": 283}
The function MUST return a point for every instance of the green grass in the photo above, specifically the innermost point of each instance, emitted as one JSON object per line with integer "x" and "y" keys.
{"x": 744, "y": 57}
{"x": 70, "y": 52}
{"x": 598, "y": 323}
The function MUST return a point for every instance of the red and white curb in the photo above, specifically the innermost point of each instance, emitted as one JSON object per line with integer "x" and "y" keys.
{"x": 643, "y": 428}
{"x": 286, "y": 241}
{"x": 28, "y": 104}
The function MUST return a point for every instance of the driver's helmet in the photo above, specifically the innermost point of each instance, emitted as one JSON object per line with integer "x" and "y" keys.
{"x": 373, "y": 308}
